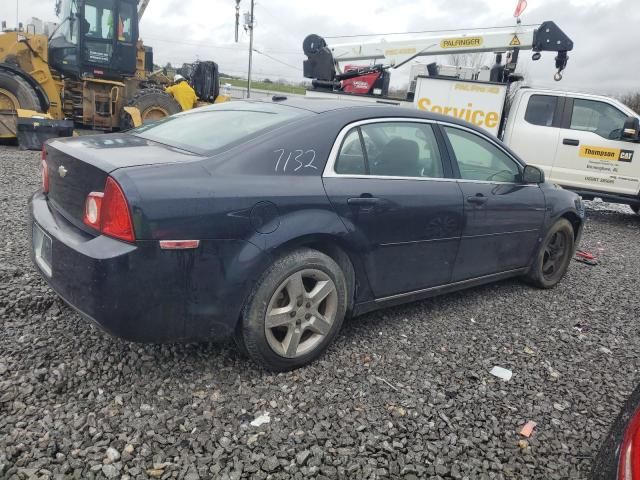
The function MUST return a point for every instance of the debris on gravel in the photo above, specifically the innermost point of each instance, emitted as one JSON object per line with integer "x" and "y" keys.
{"x": 403, "y": 393}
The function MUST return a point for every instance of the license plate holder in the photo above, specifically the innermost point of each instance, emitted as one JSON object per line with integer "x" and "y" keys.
{"x": 42, "y": 248}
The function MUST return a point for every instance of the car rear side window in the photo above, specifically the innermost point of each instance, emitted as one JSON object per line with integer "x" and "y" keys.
{"x": 541, "y": 110}
{"x": 480, "y": 160}
{"x": 218, "y": 127}
{"x": 391, "y": 149}
{"x": 351, "y": 160}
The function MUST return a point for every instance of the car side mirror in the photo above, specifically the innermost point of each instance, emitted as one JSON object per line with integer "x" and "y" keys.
{"x": 631, "y": 129}
{"x": 532, "y": 174}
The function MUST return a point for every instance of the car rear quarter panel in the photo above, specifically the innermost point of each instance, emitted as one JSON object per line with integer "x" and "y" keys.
{"x": 268, "y": 193}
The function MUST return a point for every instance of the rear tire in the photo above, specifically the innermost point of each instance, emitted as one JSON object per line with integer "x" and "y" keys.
{"x": 153, "y": 104}
{"x": 15, "y": 92}
{"x": 295, "y": 311}
{"x": 636, "y": 209}
{"x": 554, "y": 256}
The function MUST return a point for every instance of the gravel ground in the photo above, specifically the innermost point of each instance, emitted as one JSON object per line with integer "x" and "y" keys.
{"x": 403, "y": 393}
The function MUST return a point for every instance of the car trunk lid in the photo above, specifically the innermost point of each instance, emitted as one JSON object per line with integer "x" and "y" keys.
{"x": 81, "y": 165}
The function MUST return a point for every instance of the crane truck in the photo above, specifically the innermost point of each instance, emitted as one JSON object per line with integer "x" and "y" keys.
{"x": 586, "y": 143}
{"x": 93, "y": 71}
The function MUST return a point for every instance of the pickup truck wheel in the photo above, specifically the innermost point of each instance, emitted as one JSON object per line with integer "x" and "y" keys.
{"x": 295, "y": 311}
{"x": 554, "y": 256}
{"x": 636, "y": 209}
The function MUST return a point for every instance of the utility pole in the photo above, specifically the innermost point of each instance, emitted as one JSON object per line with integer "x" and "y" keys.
{"x": 250, "y": 26}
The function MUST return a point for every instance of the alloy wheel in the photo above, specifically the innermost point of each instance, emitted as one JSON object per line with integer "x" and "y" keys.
{"x": 301, "y": 313}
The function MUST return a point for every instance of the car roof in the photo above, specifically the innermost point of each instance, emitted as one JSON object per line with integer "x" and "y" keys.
{"x": 346, "y": 110}
{"x": 349, "y": 109}
{"x": 312, "y": 104}
{"x": 359, "y": 108}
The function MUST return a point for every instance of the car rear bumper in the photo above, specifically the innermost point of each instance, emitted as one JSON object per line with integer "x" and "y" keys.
{"x": 142, "y": 293}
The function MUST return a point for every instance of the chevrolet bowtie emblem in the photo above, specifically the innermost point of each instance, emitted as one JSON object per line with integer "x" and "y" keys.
{"x": 62, "y": 171}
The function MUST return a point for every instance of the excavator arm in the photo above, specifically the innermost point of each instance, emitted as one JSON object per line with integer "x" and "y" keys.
{"x": 142, "y": 6}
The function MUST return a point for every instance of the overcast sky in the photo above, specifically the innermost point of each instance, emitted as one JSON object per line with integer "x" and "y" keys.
{"x": 606, "y": 58}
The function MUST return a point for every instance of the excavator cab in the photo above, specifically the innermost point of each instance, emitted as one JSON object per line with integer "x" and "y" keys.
{"x": 97, "y": 38}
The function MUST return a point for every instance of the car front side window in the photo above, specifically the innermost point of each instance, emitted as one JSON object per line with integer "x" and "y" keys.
{"x": 597, "y": 117}
{"x": 480, "y": 160}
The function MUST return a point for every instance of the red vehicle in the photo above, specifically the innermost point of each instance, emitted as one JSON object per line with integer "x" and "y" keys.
{"x": 619, "y": 456}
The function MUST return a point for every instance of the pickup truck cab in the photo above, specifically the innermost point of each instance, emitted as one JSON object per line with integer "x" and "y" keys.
{"x": 579, "y": 140}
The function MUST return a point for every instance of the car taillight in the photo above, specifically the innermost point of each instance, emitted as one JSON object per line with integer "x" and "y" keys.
{"x": 629, "y": 463}
{"x": 108, "y": 212}
{"x": 116, "y": 220}
{"x": 45, "y": 171}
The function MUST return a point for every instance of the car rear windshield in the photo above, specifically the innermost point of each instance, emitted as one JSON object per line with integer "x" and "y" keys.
{"x": 218, "y": 127}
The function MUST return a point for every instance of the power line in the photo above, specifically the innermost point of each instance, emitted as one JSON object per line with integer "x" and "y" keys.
{"x": 236, "y": 49}
{"x": 258, "y": 72}
{"x": 276, "y": 60}
{"x": 240, "y": 71}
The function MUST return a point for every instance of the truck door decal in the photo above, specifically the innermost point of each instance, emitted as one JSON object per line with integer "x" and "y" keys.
{"x": 604, "y": 153}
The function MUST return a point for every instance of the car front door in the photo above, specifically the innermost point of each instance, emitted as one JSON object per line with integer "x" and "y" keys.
{"x": 503, "y": 216}
{"x": 591, "y": 155}
{"x": 387, "y": 181}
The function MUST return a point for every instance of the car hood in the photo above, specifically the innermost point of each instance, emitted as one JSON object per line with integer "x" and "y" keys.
{"x": 118, "y": 150}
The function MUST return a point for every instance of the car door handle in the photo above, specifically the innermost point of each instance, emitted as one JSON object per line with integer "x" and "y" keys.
{"x": 479, "y": 199}
{"x": 571, "y": 141}
{"x": 363, "y": 201}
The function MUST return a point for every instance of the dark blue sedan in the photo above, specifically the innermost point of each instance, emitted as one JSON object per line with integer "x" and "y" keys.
{"x": 272, "y": 221}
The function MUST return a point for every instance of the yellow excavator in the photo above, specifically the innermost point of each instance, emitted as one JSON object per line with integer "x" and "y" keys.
{"x": 92, "y": 71}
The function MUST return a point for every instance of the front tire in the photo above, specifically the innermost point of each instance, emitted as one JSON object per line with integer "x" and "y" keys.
{"x": 553, "y": 258}
{"x": 153, "y": 104}
{"x": 295, "y": 311}
{"x": 15, "y": 93}
{"x": 636, "y": 209}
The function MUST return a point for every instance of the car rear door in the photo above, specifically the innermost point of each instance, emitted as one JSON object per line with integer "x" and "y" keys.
{"x": 502, "y": 216}
{"x": 387, "y": 179}
{"x": 590, "y": 155}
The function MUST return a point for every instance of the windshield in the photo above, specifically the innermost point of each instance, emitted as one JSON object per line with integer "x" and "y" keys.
{"x": 68, "y": 21}
{"x": 98, "y": 21}
{"x": 211, "y": 129}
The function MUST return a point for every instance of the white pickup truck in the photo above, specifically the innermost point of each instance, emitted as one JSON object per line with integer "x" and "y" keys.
{"x": 586, "y": 143}
{"x": 582, "y": 142}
